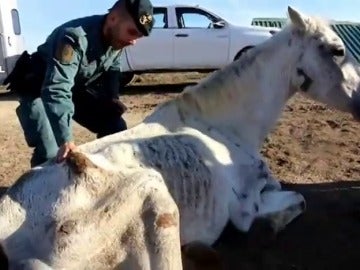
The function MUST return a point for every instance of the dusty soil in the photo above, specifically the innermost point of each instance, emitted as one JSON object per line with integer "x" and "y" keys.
{"x": 313, "y": 150}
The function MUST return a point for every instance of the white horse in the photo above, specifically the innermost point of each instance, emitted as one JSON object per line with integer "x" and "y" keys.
{"x": 133, "y": 199}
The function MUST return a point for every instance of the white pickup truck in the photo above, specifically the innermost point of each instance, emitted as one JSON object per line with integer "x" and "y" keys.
{"x": 189, "y": 38}
{"x": 11, "y": 40}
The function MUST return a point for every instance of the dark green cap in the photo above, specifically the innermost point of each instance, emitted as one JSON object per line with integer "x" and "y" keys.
{"x": 142, "y": 13}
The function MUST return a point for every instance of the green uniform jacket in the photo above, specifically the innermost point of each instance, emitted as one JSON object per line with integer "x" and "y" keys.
{"x": 75, "y": 55}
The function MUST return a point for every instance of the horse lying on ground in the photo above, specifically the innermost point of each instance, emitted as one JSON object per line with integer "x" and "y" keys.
{"x": 132, "y": 200}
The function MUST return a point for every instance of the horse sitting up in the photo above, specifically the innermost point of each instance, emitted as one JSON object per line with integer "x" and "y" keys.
{"x": 134, "y": 199}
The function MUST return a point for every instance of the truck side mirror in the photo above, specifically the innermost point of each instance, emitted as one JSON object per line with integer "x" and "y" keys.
{"x": 218, "y": 24}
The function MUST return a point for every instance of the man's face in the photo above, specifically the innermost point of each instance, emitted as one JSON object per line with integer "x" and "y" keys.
{"x": 120, "y": 29}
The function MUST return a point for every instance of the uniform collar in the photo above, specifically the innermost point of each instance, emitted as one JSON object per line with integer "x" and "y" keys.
{"x": 96, "y": 44}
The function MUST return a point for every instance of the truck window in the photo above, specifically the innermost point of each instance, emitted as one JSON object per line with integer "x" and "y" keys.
{"x": 15, "y": 21}
{"x": 188, "y": 17}
{"x": 160, "y": 16}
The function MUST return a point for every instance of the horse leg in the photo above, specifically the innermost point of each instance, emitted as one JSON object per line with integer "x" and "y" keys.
{"x": 278, "y": 206}
{"x": 260, "y": 197}
{"x": 162, "y": 223}
{"x": 31, "y": 264}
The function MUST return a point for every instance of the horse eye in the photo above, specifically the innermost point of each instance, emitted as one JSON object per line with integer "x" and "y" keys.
{"x": 338, "y": 52}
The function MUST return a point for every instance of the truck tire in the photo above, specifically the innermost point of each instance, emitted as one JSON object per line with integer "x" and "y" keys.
{"x": 237, "y": 56}
{"x": 126, "y": 78}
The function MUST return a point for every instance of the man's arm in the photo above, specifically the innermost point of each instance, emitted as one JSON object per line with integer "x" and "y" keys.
{"x": 112, "y": 85}
{"x": 58, "y": 82}
{"x": 113, "y": 76}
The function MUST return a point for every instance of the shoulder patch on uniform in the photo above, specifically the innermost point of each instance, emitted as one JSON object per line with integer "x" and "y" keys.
{"x": 64, "y": 52}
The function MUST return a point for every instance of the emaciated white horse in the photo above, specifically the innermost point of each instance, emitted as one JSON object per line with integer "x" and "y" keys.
{"x": 132, "y": 199}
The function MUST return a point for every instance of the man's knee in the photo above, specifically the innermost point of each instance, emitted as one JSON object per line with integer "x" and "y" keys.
{"x": 121, "y": 124}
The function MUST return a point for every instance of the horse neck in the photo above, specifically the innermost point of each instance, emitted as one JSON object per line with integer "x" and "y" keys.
{"x": 251, "y": 92}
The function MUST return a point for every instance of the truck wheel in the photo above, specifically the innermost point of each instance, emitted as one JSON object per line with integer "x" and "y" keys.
{"x": 237, "y": 56}
{"x": 126, "y": 78}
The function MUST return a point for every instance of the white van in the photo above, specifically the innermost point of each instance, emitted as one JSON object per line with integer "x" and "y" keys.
{"x": 11, "y": 39}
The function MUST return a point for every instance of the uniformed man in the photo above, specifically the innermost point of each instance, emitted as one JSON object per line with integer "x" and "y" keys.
{"x": 75, "y": 74}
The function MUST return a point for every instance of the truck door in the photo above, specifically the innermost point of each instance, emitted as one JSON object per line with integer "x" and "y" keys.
{"x": 198, "y": 43}
{"x": 11, "y": 39}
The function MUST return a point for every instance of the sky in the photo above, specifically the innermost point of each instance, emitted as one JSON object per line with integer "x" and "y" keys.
{"x": 39, "y": 17}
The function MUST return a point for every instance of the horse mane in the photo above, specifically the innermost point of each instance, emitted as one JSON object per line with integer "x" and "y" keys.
{"x": 314, "y": 25}
{"x": 213, "y": 93}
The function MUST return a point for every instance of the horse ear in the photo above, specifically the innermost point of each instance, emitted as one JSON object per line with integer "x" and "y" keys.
{"x": 297, "y": 18}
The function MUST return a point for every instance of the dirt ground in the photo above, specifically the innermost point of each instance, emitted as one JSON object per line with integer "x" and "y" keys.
{"x": 313, "y": 150}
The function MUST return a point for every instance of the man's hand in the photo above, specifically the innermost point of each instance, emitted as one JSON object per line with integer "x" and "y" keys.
{"x": 64, "y": 150}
